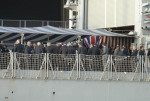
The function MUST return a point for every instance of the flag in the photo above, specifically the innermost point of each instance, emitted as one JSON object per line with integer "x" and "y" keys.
{"x": 92, "y": 40}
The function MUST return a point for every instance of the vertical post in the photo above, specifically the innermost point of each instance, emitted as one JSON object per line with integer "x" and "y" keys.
{"x": 22, "y": 38}
{"x": 46, "y": 77}
{"x": 2, "y": 23}
{"x": 77, "y": 59}
{"x": 11, "y": 63}
{"x": 85, "y": 14}
{"x": 111, "y": 62}
{"x": 70, "y": 17}
{"x": 142, "y": 67}
{"x": 19, "y": 23}
{"x": 47, "y": 23}
{"x": 65, "y": 24}
{"x": 139, "y": 67}
{"x": 14, "y": 61}
{"x": 42, "y": 23}
{"x": 146, "y": 66}
{"x": 47, "y": 65}
{"x": 105, "y": 13}
{"x": 81, "y": 13}
{"x": 115, "y": 13}
{"x": 25, "y": 23}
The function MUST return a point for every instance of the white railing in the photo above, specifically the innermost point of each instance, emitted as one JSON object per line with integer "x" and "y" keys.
{"x": 62, "y": 66}
{"x": 33, "y": 23}
{"x": 74, "y": 67}
{"x": 5, "y": 65}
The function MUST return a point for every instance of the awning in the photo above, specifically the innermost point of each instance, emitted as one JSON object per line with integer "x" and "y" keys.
{"x": 55, "y": 30}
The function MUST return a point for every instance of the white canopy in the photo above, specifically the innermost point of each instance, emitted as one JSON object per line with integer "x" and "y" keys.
{"x": 55, "y": 30}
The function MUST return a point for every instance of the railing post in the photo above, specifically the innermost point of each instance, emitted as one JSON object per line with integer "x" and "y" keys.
{"x": 146, "y": 68}
{"x": 65, "y": 24}
{"x": 19, "y": 23}
{"x": 42, "y": 23}
{"x": 25, "y": 23}
{"x": 47, "y": 23}
{"x": 77, "y": 59}
{"x": 142, "y": 57}
{"x": 111, "y": 62}
{"x": 2, "y": 23}
{"x": 47, "y": 58}
{"x": 12, "y": 63}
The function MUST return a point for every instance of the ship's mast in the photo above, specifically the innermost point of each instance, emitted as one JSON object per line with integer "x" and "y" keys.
{"x": 77, "y": 13}
{"x": 142, "y": 22}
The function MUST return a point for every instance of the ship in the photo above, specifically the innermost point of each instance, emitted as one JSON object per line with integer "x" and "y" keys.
{"x": 78, "y": 77}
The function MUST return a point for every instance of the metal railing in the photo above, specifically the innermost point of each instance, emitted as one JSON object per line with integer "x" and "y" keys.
{"x": 33, "y": 23}
{"x": 74, "y": 67}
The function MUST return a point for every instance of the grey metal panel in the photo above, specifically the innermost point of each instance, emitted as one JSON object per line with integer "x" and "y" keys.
{"x": 42, "y": 90}
{"x": 110, "y": 13}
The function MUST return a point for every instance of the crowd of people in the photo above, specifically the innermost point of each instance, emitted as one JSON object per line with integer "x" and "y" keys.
{"x": 122, "y": 64}
{"x": 70, "y": 48}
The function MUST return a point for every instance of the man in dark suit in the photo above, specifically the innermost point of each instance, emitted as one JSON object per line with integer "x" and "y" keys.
{"x": 133, "y": 59}
{"x": 95, "y": 50}
{"x": 71, "y": 49}
{"x": 57, "y": 48}
{"x": 18, "y": 47}
{"x": 134, "y": 51}
{"x": 105, "y": 49}
{"x": 90, "y": 50}
{"x": 63, "y": 49}
{"x": 121, "y": 61}
{"x": 5, "y": 49}
{"x": 38, "y": 48}
{"x": 49, "y": 48}
{"x": 28, "y": 49}
{"x": 82, "y": 49}
{"x": 121, "y": 52}
{"x": 142, "y": 51}
{"x": 125, "y": 51}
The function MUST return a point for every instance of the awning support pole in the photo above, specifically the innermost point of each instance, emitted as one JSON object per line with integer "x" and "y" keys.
{"x": 22, "y": 38}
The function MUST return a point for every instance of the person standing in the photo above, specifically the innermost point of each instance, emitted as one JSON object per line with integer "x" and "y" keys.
{"x": 82, "y": 49}
{"x": 71, "y": 49}
{"x": 134, "y": 51}
{"x": 125, "y": 51}
{"x": 5, "y": 49}
{"x": 18, "y": 47}
{"x": 28, "y": 49}
{"x": 116, "y": 50}
{"x": 90, "y": 50}
{"x": 64, "y": 50}
{"x": 133, "y": 58}
{"x": 104, "y": 57}
{"x": 105, "y": 49}
{"x": 142, "y": 51}
{"x": 121, "y": 52}
{"x": 95, "y": 50}
{"x": 38, "y": 48}
{"x": 57, "y": 48}
{"x": 49, "y": 48}
{"x": 121, "y": 61}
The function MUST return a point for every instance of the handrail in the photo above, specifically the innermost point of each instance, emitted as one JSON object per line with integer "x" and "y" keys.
{"x": 74, "y": 67}
{"x": 33, "y": 23}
